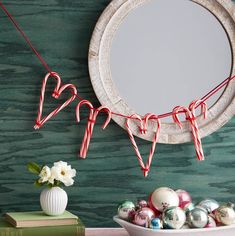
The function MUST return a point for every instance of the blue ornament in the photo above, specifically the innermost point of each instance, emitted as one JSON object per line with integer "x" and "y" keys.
{"x": 156, "y": 224}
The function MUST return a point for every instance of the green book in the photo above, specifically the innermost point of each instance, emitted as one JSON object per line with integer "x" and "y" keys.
{"x": 38, "y": 218}
{"x": 6, "y": 229}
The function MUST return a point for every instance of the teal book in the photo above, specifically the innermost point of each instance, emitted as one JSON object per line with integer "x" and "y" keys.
{"x": 6, "y": 229}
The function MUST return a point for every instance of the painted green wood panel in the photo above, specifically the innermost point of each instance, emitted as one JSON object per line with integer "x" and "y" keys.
{"x": 61, "y": 30}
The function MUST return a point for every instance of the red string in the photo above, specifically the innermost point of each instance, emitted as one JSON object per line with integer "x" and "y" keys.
{"x": 16, "y": 25}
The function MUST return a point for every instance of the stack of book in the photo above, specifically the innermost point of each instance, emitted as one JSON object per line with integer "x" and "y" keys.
{"x": 38, "y": 224}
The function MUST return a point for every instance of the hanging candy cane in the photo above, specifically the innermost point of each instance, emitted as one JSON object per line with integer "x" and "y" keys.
{"x": 56, "y": 94}
{"x": 143, "y": 130}
{"x": 190, "y": 113}
{"x": 90, "y": 124}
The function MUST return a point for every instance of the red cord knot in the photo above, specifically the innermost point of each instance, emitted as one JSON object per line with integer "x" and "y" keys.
{"x": 55, "y": 94}
{"x": 145, "y": 171}
{"x": 53, "y": 74}
{"x": 143, "y": 130}
{"x": 92, "y": 121}
{"x": 37, "y": 125}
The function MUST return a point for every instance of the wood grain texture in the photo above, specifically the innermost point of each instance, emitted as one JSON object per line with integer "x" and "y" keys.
{"x": 61, "y": 31}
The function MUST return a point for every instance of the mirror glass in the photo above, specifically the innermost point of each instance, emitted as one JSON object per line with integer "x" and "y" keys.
{"x": 167, "y": 53}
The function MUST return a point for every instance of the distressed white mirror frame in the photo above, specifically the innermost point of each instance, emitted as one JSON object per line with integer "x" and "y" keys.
{"x": 99, "y": 55}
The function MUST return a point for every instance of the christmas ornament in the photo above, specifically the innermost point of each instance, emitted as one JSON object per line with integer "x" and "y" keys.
{"x": 184, "y": 198}
{"x": 150, "y": 205}
{"x": 142, "y": 203}
{"x": 211, "y": 222}
{"x": 163, "y": 198}
{"x": 185, "y": 226}
{"x": 188, "y": 207}
{"x": 197, "y": 218}
{"x": 209, "y": 204}
{"x": 173, "y": 218}
{"x": 225, "y": 214}
{"x": 144, "y": 216}
{"x": 125, "y": 210}
{"x": 156, "y": 224}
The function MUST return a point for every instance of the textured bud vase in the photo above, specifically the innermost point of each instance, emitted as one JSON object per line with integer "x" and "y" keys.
{"x": 53, "y": 201}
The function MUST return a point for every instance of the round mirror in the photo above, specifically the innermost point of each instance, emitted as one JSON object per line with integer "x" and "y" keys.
{"x": 150, "y": 56}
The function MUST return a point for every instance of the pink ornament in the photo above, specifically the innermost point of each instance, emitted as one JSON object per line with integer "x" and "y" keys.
{"x": 144, "y": 216}
{"x": 142, "y": 203}
{"x": 211, "y": 222}
{"x": 184, "y": 198}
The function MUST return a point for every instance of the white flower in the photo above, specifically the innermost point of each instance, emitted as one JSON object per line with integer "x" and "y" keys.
{"x": 45, "y": 174}
{"x": 63, "y": 172}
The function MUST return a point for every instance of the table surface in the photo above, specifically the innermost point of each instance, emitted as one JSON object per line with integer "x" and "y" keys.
{"x": 106, "y": 232}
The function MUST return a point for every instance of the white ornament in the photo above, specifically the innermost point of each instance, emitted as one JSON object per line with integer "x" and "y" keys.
{"x": 163, "y": 198}
{"x": 53, "y": 201}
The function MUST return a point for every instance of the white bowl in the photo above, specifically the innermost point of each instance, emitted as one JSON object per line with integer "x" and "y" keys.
{"x": 135, "y": 230}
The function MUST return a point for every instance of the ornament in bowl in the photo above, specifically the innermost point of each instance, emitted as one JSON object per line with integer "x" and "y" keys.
{"x": 173, "y": 212}
{"x": 53, "y": 198}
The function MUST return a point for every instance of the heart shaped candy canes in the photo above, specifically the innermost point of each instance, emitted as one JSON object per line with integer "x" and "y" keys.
{"x": 191, "y": 117}
{"x": 90, "y": 124}
{"x": 143, "y": 130}
{"x": 56, "y": 94}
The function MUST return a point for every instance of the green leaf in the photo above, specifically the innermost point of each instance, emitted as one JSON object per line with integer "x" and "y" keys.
{"x": 38, "y": 184}
{"x": 34, "y": 168}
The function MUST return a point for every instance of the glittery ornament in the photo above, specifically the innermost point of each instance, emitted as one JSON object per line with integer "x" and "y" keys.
{"x": 144, "y": 216}
{"x": 142, "y": 203}
{"x": 209, "y": 204}
{"x": 163, "y": 198}
{"x": 225, "y": 214}
{"x": 126, "y": 209}
{"x": 184, "y": 198}
{"x": 173, "y": 218}
{"x": 211, "y": 222}
{"x": 197, "y": 218}
{"x": 156, "y": 224}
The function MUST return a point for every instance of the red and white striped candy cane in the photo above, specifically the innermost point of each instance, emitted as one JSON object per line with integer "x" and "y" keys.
{"x": 56, "y": 94}
{"x": 191, "y": 117}
{"x": 143, "y": 129}
{"x": 90, "y": 124}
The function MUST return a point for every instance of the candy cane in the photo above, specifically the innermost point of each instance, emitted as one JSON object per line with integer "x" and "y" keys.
{"x": 143, "y": 129}
{"x": 155, "y": 138}
{"x": 90, "y": 124}
{"x": 57, "y": 92}
{"x": 191, "y": 117}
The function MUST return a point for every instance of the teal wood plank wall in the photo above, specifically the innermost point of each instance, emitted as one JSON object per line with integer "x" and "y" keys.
{"x": 61, "y": 30}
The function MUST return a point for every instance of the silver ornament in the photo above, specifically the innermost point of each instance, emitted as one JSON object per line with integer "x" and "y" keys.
{"x": 173, "y": 218}
{"x": 209, "y": 204}
{"x": 125, "y": 210}
{"x": 197, "y": 218}
{"x": 225, "y": 214}
{"x": 188, "y": 207}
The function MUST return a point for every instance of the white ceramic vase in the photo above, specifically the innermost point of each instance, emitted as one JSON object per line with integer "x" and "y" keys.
{"x": 53, "y": 201}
